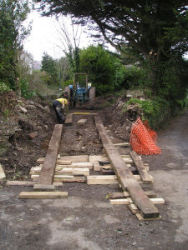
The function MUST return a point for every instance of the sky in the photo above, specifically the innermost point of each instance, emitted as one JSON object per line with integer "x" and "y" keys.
{"x": 45, "y": 36}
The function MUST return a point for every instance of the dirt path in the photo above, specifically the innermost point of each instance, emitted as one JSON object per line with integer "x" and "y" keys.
{"x": 86, "y": 220}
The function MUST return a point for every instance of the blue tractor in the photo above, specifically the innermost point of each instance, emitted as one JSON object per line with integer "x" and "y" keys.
{"x": 79, "y": 91}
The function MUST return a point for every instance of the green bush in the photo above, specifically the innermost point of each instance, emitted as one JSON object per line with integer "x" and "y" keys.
{"x": 4, "y": 87}
{"x": 25, "y": 90}
{"x": 104, "y": 70}
{"x": 134, "y": 77}
{"x": 156, "y": 111}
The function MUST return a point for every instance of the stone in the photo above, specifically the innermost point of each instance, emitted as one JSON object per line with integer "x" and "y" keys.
{"x": 2, "y": 173}
{"x": 33, "y": 135}
{"x": 82, "y": 121}
{"x": 23, "y": 110}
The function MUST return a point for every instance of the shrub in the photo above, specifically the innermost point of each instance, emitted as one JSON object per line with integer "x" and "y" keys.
{"x": 155, "y": 110}
{"x": 4, "y": 87}
{"x": 104, "y": 69}
{"x": 25, "y": 90}
{"x": 133, "y": 77}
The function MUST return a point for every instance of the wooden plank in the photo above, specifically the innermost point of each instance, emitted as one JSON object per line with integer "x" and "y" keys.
{"x": 141, "y": 218}
{"x": 20, "y": 183}
{"x": 63, "y": 178}
{"x": 68, "y": 120}
{"x": 118, "y": 195}
{"x": 74, "y": 158}
{"x": 29, "y": 183}
{"x": 83, "y": 164}
{"x": 37, "y": 169}
{"x": 122, "y": 144}
{"x": 47, "y": 171}
{"x": 125, "y": 176}
{"x": 158, "y": 201}
{"x": 97, "y": 166}
{"x": 119, "y": 201}
{"x": 74, "y": 165}
{"x": 64, "y": 170}
{"x": 127, "y": 160}
{"x": 74, "y": 171}
{"x": 97, "y": 158}
{"x": 129, "y": 201}
{"x": 43, "y": 195}
{"x": 101, "y": 179}
{"x": 63, "y": 162}
{"x": 68, "y": 179}
{"x": 2, "y": 173}
{"x": 133, "y": 208}
{"x": 43, "y": 187}
{"x": 141, "y": 168}
{"x": 109, "y": 167}
{"x": 107, "y": 171}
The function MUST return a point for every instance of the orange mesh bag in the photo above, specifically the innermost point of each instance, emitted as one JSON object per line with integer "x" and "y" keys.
{"x": 143, "y": 139}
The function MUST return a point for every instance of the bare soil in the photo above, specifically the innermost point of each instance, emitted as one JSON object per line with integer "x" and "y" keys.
{"x": 86, "y": 220}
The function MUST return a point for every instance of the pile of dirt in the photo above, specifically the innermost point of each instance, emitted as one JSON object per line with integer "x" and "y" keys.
{"x": 26, "y": 127}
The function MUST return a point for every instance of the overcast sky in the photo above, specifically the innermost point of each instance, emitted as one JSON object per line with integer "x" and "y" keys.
{"x": 45, "y": 36}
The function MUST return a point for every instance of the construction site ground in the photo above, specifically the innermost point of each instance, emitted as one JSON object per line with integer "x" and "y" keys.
{"x": 86, "y": 219}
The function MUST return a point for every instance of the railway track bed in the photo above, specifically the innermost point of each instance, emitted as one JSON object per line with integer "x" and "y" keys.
{"x": 112, "y": 164}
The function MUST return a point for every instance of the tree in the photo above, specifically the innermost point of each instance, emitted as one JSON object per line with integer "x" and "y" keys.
{"x": 157, "y": 30}
{"x": 12, "y": 33}
{"x": 104, "y": 70}
{"x": 49, "y": 66}
{"x": 69, "y": 41}
{"x": 64, "y": 70}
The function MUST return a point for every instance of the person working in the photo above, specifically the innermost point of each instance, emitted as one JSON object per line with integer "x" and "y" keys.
{"x": 60, "y": 105}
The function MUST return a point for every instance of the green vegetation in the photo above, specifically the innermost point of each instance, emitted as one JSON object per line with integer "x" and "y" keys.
{"x": 49, "y": 66}
{"x": 134, "y": 77}
{"x": 101, "y": 67}
{"x": 155, "y": 110}
{"x": 12, "y": 32}
{"x": 4, "y": 87}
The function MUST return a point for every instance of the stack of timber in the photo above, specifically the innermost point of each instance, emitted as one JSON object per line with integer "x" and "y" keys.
{"x": 68, "y": 169}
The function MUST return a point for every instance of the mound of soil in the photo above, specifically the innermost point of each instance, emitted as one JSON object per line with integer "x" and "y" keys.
{"x": 26, "y": 128}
